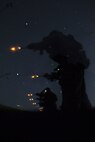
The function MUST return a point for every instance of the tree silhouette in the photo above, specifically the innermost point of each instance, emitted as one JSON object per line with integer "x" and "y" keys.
{"x": 72, "y": 62}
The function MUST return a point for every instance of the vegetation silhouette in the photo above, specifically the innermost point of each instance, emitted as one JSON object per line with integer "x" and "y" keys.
{"x": 72, "y": 61}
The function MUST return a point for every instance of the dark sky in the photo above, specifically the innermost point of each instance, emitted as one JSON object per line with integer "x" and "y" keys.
{"x": 29, "y": 21}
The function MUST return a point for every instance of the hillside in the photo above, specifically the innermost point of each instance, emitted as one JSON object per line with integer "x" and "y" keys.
{"x": 7, "y": 108}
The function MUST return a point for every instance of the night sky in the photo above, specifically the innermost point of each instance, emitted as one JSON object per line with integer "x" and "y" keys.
{"x": 26, "y": 21}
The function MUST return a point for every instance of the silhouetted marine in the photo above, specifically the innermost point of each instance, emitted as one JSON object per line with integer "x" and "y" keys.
{"x": 72, "y": 60}
{"x": 47, "y": 100}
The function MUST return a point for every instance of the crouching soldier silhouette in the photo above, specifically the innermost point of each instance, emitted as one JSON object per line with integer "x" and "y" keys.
{"x": 47, "y": 100}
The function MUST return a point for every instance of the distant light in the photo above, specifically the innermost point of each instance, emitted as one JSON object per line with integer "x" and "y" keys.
{"x": 34, "y": 103}
{"x": 17, "y": 74}
{"x": 34, "y": 76}
{"x": 19, "y": 48}
{"x": 45, "y": 91}
{"x": 13, "y": 49}
{"x": 37, "y": 76}
{"x": 41, "y": 109}
{"x": 30, "y": 99}
{"x": 18, "y": 105}
{"x": 26, "y": 23}
{"x": 58, "y": 69}
{"x": 30, "y": 95}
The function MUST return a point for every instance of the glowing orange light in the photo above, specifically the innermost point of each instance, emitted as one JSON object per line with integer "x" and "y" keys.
{"x": 13, "y": 49}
